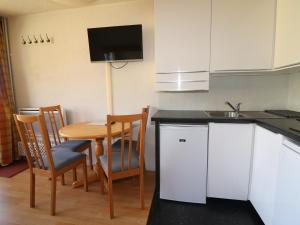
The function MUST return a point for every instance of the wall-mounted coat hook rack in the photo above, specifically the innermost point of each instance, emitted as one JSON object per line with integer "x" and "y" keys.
{"x": 36, "y": 39}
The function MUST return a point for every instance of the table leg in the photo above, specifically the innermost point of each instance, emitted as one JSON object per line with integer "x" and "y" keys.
{"x": 96, "y": 174}
{"x": 99, "y": 152}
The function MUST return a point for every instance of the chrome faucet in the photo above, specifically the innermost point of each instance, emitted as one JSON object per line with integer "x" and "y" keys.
{"x": 235, "y": 109}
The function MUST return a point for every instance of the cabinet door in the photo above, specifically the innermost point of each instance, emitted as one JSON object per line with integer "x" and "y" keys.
{"x": 182, "y": 35}
{"x": 264, "y": 172}
{"x": 242, "y": 34}
{"x": 287, "y": 45}
{"x": 287, "y": 207}
{"x": 229, "y": 157}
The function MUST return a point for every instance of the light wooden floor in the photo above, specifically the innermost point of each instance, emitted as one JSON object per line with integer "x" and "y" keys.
{"x": 74, "y": 206}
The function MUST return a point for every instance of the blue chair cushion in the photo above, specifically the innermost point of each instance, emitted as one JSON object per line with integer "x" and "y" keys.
{"x": 116, "y": 146}
{"x": 73, "y": 145}
{"x": 116, "y": 160}
{"x": 62, "y": 159}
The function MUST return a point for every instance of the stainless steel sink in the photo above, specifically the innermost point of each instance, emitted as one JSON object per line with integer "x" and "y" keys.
{"x": 225, "y": 114}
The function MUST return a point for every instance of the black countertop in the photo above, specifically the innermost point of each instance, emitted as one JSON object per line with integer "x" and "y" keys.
{"x": 179, "y": 116}
{"x": 287, "y": 127}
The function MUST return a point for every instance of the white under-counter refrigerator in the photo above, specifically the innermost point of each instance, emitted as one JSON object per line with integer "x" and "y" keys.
{"x": 183, "y": 162}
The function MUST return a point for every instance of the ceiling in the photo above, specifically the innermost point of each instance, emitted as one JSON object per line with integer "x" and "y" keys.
{"x": 21, "y": 7}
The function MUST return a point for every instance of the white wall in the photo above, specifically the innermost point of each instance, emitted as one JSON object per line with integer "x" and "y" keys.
{"x": 294, "y": 92}
{"x": 61, "y": 73}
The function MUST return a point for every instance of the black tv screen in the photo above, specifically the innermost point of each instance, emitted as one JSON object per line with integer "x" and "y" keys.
{"x": 116, "y": 43}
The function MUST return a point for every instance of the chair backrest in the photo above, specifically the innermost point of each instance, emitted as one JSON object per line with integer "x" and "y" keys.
{"x": 55, "y": 124}
{"x": 126, "y": 122}
{"x": 27, "y": 126}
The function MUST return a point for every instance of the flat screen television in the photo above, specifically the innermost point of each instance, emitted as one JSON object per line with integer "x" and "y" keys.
{"x": 119, "y": 43}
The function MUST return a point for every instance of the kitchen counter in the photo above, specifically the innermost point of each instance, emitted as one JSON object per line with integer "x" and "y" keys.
{"x": 287, "y": 127}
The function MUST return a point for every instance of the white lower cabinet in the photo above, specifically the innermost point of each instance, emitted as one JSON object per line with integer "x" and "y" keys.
{"x": 264, "y": 172}
{"x": 287, "y": 201}
{"x": 229, "y": 160}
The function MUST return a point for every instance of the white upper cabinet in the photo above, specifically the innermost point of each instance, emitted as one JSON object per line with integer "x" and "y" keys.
{"x": 287, "y": 44}
{"x": 182, "y": 35}
{"x": 242, "y": 36}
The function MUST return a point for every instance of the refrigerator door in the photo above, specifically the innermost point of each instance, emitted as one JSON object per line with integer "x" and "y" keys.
{"x": 183, "y": 162}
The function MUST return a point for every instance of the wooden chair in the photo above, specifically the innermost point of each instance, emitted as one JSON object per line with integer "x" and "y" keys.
{"x": 44, "y": 161}
{"x": 127, "y": 162}
{"x": 117, "y": 144}
{"x": 63, "y": 143}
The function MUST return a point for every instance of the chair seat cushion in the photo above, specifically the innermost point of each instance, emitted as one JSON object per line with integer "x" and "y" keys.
{"x": 116, "y": 146}
{"x": 116, "y": 161}
{"x": 72, "y": 145}
{"x": 62, "y": 159}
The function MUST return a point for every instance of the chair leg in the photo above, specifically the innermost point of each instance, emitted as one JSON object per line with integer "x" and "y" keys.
{"x": 85, "y": 181}
{"x": 91, "y": 157}
{"x": 110, "y": 196}
{"x": 53, "y": 195}
{"x": 101, "y": 175}
{"x": 142, "y": 190}
{"x": 63, "y": 179}
{"x": 74, "y": 175}
{"x": 32, "y": 190}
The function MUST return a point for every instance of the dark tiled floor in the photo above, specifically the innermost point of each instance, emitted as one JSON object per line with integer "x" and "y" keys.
{"x": 215, "y": 212}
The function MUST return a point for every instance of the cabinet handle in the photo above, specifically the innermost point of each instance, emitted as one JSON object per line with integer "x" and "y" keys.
{"x": 182, "y": 140}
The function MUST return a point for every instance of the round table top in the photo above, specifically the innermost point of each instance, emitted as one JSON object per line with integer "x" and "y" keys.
{"x": 89, "y": 130}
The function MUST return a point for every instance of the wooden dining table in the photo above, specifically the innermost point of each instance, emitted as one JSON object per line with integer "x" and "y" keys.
{"x": 93, "y": 131}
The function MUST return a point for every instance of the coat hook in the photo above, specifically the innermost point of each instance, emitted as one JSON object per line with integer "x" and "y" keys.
{"x": 41, "y": 39}
{"x": 29, "y": 40}
{"x": 47, "y": 38}
{"x": 23, "y": 41}
{"x": 35, "y": 40}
